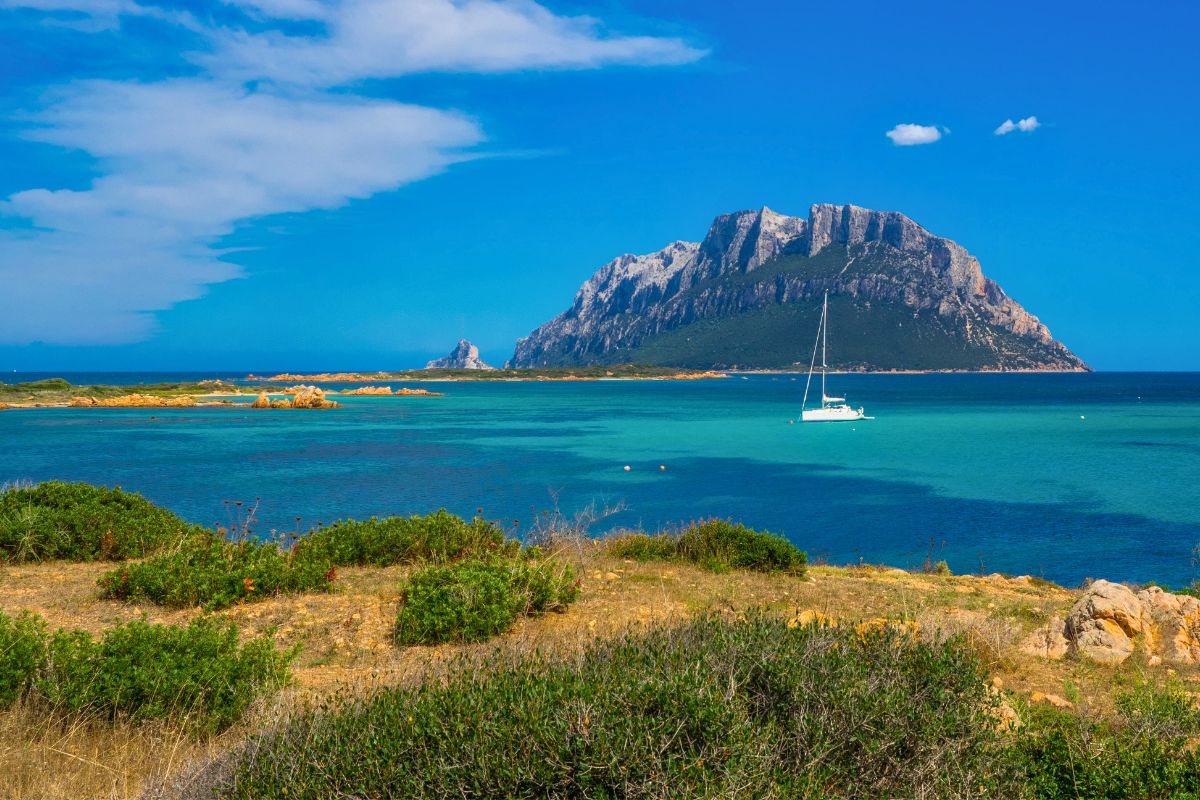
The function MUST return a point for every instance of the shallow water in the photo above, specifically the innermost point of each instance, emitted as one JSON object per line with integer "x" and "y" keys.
{"x": 1062, "y": 476}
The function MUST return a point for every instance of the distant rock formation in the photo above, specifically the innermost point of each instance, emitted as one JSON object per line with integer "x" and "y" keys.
{"x": 133, "y": 401}
{"x": 387, "y": 391}
{"x": 464, "y": 356}
{"x": 749, "y": 296}
{"x": 305, "y": 397}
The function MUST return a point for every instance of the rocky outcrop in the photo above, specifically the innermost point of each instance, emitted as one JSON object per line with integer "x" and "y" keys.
{"x": 1111, "y": 622}
{"x": 1108, "y": 623}
{"x": 464, "y": 356}
{"x": 302, "y": 397}
{"x": 874, "y": 259}
{"x": 133, "y": 401}
{"x": 387, "y": 391}
{"x": 311, "y": 397}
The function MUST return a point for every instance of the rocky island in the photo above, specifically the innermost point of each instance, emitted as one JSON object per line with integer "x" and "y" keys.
{"x": 464, "y": 356}
{"x": 748, "y": 296}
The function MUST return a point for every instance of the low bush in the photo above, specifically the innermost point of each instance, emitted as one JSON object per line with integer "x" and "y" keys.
{"x": 81, "y": 522}
{"x": 209, "y": 570}
{"x": 380, "y": 542}
{"x": 1061, "y": 755}
{"x": 197, "y": 673}
{"x": 714, "y": 708}
{"x": 476, "y": 599}
{"x": 22, "y": 654}
{"x": 716, "y": 545}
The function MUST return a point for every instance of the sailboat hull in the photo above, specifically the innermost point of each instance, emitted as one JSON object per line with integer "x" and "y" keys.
{"x": 832, "y": 414}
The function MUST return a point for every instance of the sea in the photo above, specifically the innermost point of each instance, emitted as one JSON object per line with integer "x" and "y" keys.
{"x": 1058, "y": 476}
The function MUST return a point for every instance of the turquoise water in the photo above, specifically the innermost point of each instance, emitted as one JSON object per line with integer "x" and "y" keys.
{"x": 1063, "y": 476}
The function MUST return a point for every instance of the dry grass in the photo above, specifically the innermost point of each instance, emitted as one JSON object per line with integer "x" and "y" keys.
{"x": 346, "y": 642}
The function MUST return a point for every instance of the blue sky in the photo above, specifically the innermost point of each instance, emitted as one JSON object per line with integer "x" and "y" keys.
{"x": 314, "y": 184}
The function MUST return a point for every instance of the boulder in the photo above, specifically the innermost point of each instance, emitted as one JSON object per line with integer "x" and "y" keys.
{"x": 1177, "y": 620}
{"x": 1108, "y": 623}
{"x": 311, "y": 397}
{"x": 1111, "y": 622}
{"x": 262, "y": 401}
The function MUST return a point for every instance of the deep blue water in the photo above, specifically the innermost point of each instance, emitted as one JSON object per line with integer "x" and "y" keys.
{"x": 1063, "y": 476}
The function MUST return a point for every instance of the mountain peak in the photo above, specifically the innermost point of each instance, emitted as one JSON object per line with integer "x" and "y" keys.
{"x": 464, "y": 356}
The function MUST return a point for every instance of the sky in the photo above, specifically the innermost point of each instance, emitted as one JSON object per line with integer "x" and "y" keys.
{"x": 357, "y": 184}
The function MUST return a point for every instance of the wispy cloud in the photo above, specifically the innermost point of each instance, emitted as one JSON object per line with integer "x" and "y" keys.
{"x": 382, "y": 38}
{"x": 1027, "y": 125}
{"x": 186, "y": 160}
{"x": 907, "y": 134}
{"x": 258, "y": 131}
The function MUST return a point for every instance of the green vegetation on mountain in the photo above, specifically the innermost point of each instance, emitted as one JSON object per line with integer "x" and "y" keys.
{"x": 864, "y": 336}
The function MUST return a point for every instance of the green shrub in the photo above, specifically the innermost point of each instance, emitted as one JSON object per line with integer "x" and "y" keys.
{"x": 438, "y": 537}
{"x": 197, "y": 673}
{"x": 713, "y": 708}
{"x": 209, "y": 570}
{"x": 22, "y": 654}
{"x": 1063, "y": 755}
{"x": 80, "y": 522}
{"x": 476, "y": 599}
{"x": 716, "y": 545}
{"x": 643, "y": 547}
{"x": 1160, "y": 710}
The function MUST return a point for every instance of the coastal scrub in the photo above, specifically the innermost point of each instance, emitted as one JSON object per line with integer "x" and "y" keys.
{"x": 22, "y": 654}
{"x": 198, "y": 673}
{"x": 476, "y": 599}
{"x": 717, "y": 545}
{"x": 712, "y": 708}
{"x": 81, "y": 522}
{"x": 382, "y": 541}
{"x": 209, "y": 570}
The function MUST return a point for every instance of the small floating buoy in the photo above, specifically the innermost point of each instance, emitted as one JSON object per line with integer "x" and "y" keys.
{"x": 627, "y": 468}
{"x": 1081, "y": 416}
{"x": 662, "y": 467}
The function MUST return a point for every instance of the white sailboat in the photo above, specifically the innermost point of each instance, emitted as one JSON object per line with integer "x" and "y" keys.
{"x": 833, "y": 409}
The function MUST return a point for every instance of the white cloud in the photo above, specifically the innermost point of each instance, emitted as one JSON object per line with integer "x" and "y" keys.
{"x": 180, "y": 162}
{"x": 185, "y": 160}
{"x": 1027, "y": 125}
{"x": 383, "y": 38}
{"x": 906, "y": 134}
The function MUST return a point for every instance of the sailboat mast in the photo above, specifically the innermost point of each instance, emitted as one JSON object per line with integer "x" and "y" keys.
{"x": 824, "y": 338}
